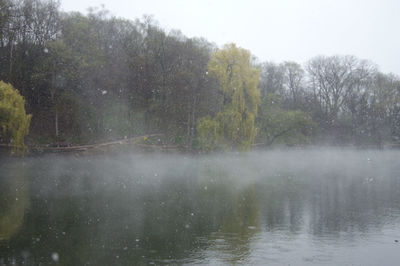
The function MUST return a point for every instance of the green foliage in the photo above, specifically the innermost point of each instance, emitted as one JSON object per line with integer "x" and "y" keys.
{"x": 237, "y": 128}
{"x": 284, "y": 127}
{"x": 14, "y": 122}
{"x": 208, "y": 131}
{"x": 233, "y": 126}
{"x": 238, "y": 79}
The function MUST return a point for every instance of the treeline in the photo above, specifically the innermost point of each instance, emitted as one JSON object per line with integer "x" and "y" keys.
{"x": 347, "y": 99}
{"x": 94, "y": 77}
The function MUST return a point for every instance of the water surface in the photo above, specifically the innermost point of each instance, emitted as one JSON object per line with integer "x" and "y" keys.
{"x": 299, "y": 207}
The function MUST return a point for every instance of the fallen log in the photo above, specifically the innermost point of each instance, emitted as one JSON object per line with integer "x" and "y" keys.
{"x": 87, "y": 147}
{"x": 134, "y": 141}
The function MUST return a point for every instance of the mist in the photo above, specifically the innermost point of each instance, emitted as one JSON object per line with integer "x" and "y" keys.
{"x": 226, "y": 208}
{"x": 124, "y": 142}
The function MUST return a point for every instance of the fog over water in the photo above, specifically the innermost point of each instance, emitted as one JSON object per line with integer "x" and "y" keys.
{"x": 86, "y": 100}
{"x": 313, "y": 206}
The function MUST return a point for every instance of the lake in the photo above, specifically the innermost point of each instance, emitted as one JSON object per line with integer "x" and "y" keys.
{"x": 297, "y": 207}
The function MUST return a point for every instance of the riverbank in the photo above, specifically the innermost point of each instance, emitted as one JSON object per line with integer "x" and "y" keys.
{"x": 149, "y": 143}
{"x": 153, "y": 143}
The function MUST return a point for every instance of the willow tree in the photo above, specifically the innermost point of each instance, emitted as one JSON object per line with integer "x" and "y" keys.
{"x": 14, "y": 122}
{"x": 233, "y": 126}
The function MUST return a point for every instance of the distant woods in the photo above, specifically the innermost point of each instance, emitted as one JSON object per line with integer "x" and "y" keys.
{"x": 95, "y": 77}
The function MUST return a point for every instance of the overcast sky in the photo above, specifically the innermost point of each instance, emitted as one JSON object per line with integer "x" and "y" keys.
{"x": 277, "y": 30}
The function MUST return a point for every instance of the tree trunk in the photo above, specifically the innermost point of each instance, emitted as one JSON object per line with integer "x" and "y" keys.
{"x": 52, "y": 94}
{"x": 56, "y": 122}
{"x": 193, "y": 124}
{"x": 11, "y": 60}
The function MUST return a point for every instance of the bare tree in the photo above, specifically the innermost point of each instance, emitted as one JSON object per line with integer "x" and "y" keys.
{"x": 293, "y": 78}
{"x": 333, "y": 79}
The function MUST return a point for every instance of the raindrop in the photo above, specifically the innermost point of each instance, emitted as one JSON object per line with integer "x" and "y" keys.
{"x": 55, "y": 256}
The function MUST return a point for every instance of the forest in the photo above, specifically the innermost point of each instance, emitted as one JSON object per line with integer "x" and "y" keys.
{"x": 96, "y": 77}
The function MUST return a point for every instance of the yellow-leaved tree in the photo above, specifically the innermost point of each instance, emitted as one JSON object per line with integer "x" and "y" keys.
{"x": 14, "y": 122}
{"x": 233, "y": 127}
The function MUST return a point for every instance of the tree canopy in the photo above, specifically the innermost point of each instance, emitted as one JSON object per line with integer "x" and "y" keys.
{"x": 238, "y": 80}
{"x": 14, "y": 122}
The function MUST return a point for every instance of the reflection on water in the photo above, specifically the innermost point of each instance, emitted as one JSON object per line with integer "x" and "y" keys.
{"x": 14, "y": 191}
{"x": 298, "y": 207}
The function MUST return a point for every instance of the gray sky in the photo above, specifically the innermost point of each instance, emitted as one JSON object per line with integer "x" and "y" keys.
{"x": 277, "y": 30}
